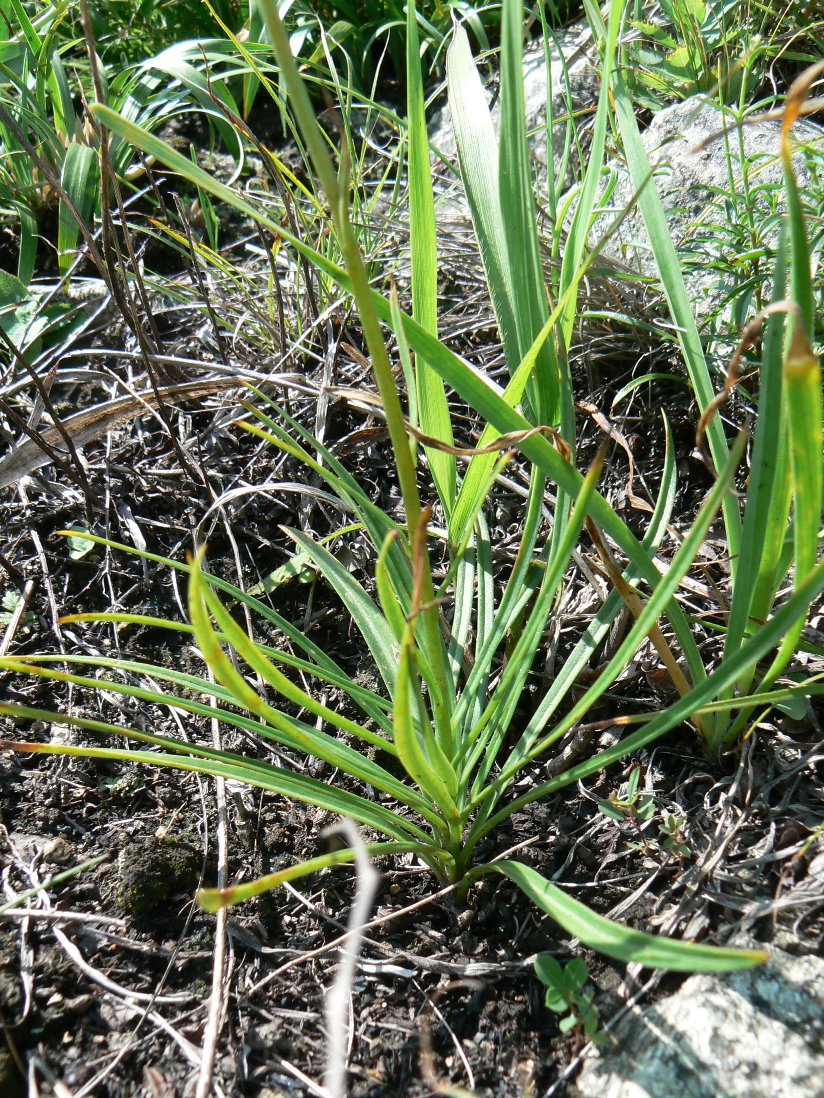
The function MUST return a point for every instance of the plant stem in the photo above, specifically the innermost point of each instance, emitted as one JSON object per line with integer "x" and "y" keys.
{"x": 337, "y": 196}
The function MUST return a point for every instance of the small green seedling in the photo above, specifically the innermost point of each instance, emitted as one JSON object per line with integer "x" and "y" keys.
{"x": 672, "y": 838}
{"x": 566, "y": 995}
{"x": 632, "y": 806}
{"x": 9, "y": 601}
{"x": 639, "y": 809}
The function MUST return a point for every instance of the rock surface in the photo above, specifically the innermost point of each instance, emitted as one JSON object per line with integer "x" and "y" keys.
{"x": 726, "y": 243}
{"x": 702, "y": 193}
{"x": 753, "y": 1034}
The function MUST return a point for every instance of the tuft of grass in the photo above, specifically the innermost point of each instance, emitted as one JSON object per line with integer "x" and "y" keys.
{"x": 440, "y": 745}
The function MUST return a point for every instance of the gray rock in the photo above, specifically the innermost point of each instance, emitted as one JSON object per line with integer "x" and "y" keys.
{"x": 753, "y": 1034}
{"x": 702, "y": 190}
{"x": 574, "y": 46}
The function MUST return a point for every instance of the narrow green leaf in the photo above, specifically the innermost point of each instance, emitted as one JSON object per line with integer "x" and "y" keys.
{"x": 292, "y": 732}
{"x": 372, "y": 625}
{"x": 618, "y": 941}
{"x": 213, "y": 899}
{"x": 477, "y": 146}
{"x": 80, "y": 180}
{"x": 672, "y": 281}
{"x": 519, "y": 217}
{"x": 417, "y": 747}
{"x": 433, "y": 410}
{"x": 273, "y": 779}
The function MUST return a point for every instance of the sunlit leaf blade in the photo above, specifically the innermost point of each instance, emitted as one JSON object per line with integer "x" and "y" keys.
{"x": 672, "y": 281}
{"x": 80, "y": 181}
{"x": 519, "y": 218}
{"x": 488, "y": 735}
{"x": 802, "y": 380}
{"x": 477, "y": 145}
{"x": 213, "y": 899}
{"x": 289, "y": 730}
{"x": 619, "y": 941}
{"x": 433, "y": 410}
{"x": 324, "y": 666}
{"x": 417, "y": 748}
{"x": 367, "y": 617}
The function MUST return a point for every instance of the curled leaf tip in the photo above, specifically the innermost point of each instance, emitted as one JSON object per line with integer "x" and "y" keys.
{"x": 801, "y": 358}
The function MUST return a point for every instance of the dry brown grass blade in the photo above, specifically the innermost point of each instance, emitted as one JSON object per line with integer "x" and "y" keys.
{"x": 636, "y": 605}
{"x": 88, "y": 425}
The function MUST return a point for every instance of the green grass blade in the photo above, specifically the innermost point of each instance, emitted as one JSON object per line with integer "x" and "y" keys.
{"x": 377, "y": 523}
{"x": 802, "y": 380}
{"x": 618, "y": 941}
{"x": 371, "y": 703}
{"x": 477, "y": 145}
{"x": 307, "y": 740}
{"x": 516, "y": 596}
{"x": 433, "y": 410}
{"x": 507, "y": 694}
{"x": 29, "y": 231}
{"x": 251, "y": 653}
{"x": 371, "y": 623}
{"x": 40, "y": 666}
{"x": 80, "y": 181}
{"x": 578, "y": 236}
{"x": 213, "y": 899}
{"x": 672, "y": 281}
{"x": 273, "y": 779}
{"x": 768, "y": 492}
{"x": 518, "y": 215}
{"x": 527, "y": 748}
{"x": 417, "y": 746}
{"x": 325, "y": 664}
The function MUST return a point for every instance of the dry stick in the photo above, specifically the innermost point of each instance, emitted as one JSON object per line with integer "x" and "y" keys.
{"x": 79, "y": 475}
{"x": 216, "y": 999}
{"x": 141, "y": 286}
{"x": 17, "y": 617}
{"x": 340, "y": 994}
{"x": 80, "y": 917}
{"x": 44, "y": 568}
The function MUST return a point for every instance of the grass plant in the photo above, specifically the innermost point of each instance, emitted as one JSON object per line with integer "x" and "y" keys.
{"x": 49, "y": 151}
{"x": 441, "y": 742}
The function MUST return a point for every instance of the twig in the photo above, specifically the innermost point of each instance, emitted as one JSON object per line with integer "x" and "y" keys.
{"x": 339, "y": 995}
{"x": 216, "y": 999}
{"x": 17, "y": 617}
